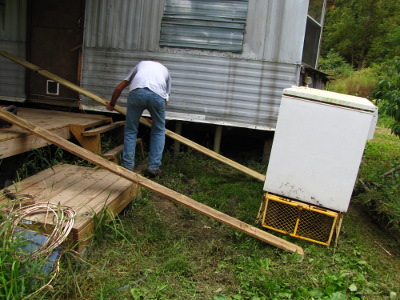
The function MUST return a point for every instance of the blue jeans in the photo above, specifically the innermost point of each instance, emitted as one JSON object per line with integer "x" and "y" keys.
{"x": 138, "y": 101}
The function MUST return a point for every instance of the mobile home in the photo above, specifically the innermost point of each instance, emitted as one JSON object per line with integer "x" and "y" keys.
{"x": 229, "y": 60}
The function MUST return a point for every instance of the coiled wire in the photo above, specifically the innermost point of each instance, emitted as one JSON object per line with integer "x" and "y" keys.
{"x": 62, "y": 220}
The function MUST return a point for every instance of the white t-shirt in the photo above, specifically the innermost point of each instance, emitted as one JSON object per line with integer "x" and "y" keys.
{"x": 151, "y": 75}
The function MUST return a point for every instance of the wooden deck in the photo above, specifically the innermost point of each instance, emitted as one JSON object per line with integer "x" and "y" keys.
{"x": 88, "y": 191}
{"x": 14, "y": 140}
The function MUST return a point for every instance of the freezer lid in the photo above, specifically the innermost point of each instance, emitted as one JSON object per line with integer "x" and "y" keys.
{"x": 330, "y": 98}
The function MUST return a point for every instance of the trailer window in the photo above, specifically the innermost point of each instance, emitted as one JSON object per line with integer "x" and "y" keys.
{"x": 204, "y": 24}
{"x": 313, "y": 32}
{"x": 315, "y": 9}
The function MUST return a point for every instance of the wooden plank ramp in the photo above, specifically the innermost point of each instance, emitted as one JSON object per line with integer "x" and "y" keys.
{"x": 88, "y": 191}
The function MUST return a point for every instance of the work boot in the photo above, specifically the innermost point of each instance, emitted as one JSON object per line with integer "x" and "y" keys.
{"x": 152, "y": 173}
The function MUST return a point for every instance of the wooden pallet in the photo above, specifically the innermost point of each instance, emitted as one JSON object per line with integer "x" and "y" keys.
{"x": 88, "y": 191}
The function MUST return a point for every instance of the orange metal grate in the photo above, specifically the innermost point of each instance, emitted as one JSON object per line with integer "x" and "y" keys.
{"x": 299, "y": 219}
{"x": 282, "y": 217}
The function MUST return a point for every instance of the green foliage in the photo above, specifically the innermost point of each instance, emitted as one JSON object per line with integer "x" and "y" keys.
{"x": 335, "y": 65}
{"x": 388, "y": 94}
{"x": 360, "y": 83}
{"x": 363, "y": 31}
{"x": 385, "y": 46}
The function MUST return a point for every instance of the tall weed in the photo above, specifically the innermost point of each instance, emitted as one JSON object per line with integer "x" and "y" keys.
{"x": 378, "y": 187}
{"x": 20, "y": 274}
{"x": 40, "y": 159}
{"x": 360, "y": 83}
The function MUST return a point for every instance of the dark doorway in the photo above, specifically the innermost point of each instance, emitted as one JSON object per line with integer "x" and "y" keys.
{"x": 55, "y": 31}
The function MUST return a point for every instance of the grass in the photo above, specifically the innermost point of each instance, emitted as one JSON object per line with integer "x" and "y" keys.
{"x": 358, "y": 83}
{"x": 156, "y": 249}
{"x": 378, "y": 189}
{"x": 20, "y": 274}
{"x": 169, "y": 252}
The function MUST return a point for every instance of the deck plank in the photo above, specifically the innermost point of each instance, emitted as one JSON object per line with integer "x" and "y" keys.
{"x": 15, "y": 140}
{"x": 41, "y": 177}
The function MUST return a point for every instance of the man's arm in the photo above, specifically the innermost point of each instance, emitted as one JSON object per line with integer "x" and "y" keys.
{"x": 168, "y": 82}
{"x": 117, "y": 92}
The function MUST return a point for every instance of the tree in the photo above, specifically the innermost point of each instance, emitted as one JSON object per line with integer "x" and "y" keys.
{"x": 363, "y": 31}
{"x": 335, "y": 65}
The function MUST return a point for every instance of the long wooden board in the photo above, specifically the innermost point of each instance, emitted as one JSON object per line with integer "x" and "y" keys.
{"x": 151, "y": 185}
{"x": 122, "y": 110}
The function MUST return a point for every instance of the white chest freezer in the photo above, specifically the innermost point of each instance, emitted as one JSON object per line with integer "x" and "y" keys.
{"x": 318, "y": 146}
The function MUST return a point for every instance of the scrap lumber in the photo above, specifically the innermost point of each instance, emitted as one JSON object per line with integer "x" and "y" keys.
{"x": 143, "y": 121}
{"x": 151, "y": 185}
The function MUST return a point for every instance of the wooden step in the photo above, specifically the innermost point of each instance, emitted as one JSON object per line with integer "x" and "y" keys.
{"x": 91, "y": 139}
{"x": 102, "y": 129}
{"x": 113, "y": 153}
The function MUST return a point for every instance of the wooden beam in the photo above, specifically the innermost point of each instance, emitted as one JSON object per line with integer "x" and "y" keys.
{"x": 102, "y": 129}
{"x": 151, "y": 185}
{"x": 217, "y": 138}
{"x": 143, "y": 121}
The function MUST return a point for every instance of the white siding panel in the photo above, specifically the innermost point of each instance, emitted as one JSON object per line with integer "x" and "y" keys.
{"x": 275, "y": 30}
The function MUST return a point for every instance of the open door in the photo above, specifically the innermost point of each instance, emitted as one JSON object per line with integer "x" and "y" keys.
{"x": 55, "y": 36}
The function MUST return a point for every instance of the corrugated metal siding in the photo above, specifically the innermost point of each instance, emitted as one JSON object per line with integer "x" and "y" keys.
{"x": 238, "y": 89}
{"x": 274, "y": 28}
{"x": 12, "y": 75}
{"x": 123, "y": 24}
{"x": 14, "y": 21}
{"x": 12, "y": 40}
{"x": 215, "y": 90}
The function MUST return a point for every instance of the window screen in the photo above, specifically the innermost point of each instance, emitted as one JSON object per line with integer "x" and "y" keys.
{"x": 204, "y": 24}
{"x": 2, "y": 16}
{"x": 311, "y": 43}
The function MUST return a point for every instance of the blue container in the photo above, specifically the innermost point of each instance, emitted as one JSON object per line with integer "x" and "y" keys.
{"x": 30, "y": 242}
